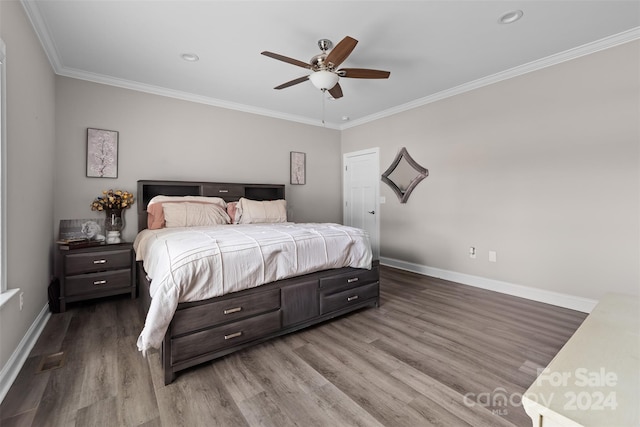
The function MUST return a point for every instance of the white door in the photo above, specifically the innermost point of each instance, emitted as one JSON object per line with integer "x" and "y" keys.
{"x": 361, "y": 180}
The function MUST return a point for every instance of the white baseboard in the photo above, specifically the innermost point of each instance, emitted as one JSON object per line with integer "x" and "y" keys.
{"x": 572, "y": 302}
{"x": 11, "y": 370}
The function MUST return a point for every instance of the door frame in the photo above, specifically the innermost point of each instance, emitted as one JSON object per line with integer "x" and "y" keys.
{"x": 375, "y": 151}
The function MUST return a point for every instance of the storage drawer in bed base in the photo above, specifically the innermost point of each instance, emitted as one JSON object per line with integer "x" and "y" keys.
{"x": 228, "y": 335}
{"x": 170, "y": 373}
{"x": 224, "y": 311}
{"x": 333, "y": 295}
{"x": 347, "y": 298}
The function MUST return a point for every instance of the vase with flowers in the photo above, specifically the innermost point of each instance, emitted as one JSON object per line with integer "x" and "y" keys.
{"x": 113, "y": 203}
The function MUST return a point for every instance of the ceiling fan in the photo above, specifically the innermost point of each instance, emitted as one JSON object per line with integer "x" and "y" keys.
{"x": 325, "y": 65}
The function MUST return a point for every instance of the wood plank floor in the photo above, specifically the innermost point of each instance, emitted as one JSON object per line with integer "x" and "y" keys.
{"x": 433, "y": 353}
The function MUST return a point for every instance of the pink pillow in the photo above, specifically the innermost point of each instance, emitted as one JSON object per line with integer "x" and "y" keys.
{"x": 231, "y": 211}
{"x": 155, "y": 216}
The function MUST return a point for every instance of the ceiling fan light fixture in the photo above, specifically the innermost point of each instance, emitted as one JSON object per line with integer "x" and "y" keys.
{"x": 323, "y": 79}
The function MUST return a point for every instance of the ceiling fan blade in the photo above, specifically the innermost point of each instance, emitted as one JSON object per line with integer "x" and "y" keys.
{"x": 336, "y": 91}
{"x": 292, "y": 82}
{"x": 342, "y": 50}
{"x": 363, "y": 73}
{"x": 286, "y": 59}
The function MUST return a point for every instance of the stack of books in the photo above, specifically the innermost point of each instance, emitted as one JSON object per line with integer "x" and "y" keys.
{"x": 68, "y": 244}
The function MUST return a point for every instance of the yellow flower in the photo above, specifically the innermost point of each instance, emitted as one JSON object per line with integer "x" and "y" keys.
{"x": 110, "y": 199}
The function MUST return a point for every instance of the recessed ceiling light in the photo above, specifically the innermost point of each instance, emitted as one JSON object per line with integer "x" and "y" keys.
{"x": 191, "y": 57}
{"x": 510, "y": 17}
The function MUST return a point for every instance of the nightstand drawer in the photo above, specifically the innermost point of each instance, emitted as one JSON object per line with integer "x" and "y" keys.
{"x": 95, "y": 272}
{"x": 97, "y": 282}
{"x": 88, "y": 262}
{"x": 346, "y": 298}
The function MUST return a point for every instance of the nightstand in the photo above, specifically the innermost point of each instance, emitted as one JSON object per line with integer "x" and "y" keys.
{"x": 95, "y": 272}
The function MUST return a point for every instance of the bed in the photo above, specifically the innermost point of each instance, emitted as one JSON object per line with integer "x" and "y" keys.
{"x": 278, "y": 285}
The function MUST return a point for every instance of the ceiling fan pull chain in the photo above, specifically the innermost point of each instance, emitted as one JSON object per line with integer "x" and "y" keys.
{"x": 323, "y": 99}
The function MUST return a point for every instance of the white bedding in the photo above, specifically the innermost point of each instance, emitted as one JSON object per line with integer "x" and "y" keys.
{"x": 196, "y": 263}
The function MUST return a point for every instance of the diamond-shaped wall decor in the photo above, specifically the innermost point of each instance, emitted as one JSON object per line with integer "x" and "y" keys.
{"x": 402, "y": 184}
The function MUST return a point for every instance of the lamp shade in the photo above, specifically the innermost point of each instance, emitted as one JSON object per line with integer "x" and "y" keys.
{"x": 324, "y": 79}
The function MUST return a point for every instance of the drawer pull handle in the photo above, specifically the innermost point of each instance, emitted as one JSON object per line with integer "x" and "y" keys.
{"x": 223, "y": 191}
{"x": 232, "y": 310}
{"x": 234, "y": 335}
{"x": 100, "y": 282}
{"x": 353, "y": 298}
{"x": 100, "y": 261}
{"x": 353, "y": 279}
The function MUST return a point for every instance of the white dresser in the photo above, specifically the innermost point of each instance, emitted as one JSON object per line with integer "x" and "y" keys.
{"x": 595, "y": 378}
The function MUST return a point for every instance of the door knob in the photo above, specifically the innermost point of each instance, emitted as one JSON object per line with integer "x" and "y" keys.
{"x": 372, "y": 212}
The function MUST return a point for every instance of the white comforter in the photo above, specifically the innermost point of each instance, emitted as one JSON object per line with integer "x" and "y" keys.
{"x": 196, "y": 263}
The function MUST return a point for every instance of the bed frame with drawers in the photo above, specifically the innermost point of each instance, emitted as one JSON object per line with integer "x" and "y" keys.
{"x": 205, "y": 330}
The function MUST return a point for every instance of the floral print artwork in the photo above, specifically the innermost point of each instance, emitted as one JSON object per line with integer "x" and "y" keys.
{"x": 102, "y": 153}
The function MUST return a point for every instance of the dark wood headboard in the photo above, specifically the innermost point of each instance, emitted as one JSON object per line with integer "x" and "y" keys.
{"x": 230, "y": 192}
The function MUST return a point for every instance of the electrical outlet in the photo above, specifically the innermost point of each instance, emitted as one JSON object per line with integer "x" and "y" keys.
{"x": 21, "y": 300}
{"x": 493, "y": 256}
{"x": 472, "y": 252}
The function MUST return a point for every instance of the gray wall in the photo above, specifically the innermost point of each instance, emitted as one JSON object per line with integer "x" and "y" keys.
{"x": 30, "y": 190}
{"x": 159, "y": 138}
{"x": 165, "y": 138}
{"x": 542, "y": 168}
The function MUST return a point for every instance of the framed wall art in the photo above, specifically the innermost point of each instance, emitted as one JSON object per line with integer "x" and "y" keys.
{"x": 81, "y": 229}
{"x": 102, "y": 153}
{"x": 298, "y": 168}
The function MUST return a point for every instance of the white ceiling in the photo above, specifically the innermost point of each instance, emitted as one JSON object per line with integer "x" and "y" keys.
{"x": 432, "y": 48}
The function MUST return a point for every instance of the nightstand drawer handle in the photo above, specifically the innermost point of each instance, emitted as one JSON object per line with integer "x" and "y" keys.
{"x": 353, "y": 279}
{"x": 232, "y": 310}
{"x": 223, "y": 191}
{"x": 234, "y": 335}
{"x": 353, "y": 298}
{"x": 100, "y": 282}
{"x": 100, "y": 261}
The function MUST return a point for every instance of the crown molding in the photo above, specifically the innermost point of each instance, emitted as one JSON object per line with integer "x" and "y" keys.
{"x": 43, "y": 33}
{"x": 186, "y": 96}
{"x": 568, "y": 55}
{"x": 51, "y": 51}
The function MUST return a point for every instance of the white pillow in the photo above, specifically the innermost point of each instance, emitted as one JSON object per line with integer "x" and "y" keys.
{"x": 193, "y": 214}
{"x": 254, "y": 212}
